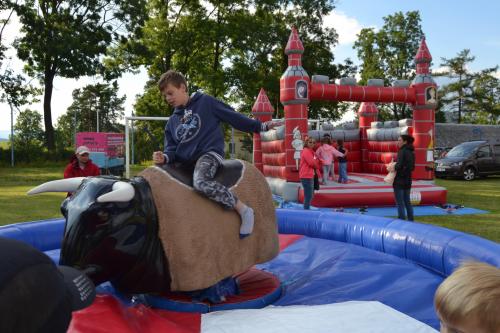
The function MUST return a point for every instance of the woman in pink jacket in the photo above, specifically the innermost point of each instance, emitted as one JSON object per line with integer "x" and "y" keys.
{"x": 326, "y": 153}
{"x": 308, "y": 163}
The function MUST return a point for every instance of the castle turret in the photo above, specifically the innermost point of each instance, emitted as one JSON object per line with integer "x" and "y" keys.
{"x": 424, "y": 114}
{"x": 263, "y": 111}
{"x": 294, "y": 95}
{"x": 367, "y": 113}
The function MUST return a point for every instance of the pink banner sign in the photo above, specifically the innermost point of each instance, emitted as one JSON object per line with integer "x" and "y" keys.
{"x": 112, "y": 144}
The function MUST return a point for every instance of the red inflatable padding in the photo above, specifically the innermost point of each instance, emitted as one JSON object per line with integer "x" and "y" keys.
{"x": 383, "y": 146}
{"x": 378, "y": 168}
{"x": 351, "y": 167}
{"x": 353, "y": 156}
{"x": 274, "y": 171}
{"x": 278, "y": 159}
{"x": 107, "y": 314}
{"x": 270, "y": 147}
{"x": 378, "y": 157}
{"x": 349, "y": 145}
{"x": 379, "y": 197}
{"x": 352, "y": 145}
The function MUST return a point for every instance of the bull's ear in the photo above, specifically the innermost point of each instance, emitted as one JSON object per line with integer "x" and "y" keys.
{"x": 60, "y": 185}
{"x": 122, "y": 192}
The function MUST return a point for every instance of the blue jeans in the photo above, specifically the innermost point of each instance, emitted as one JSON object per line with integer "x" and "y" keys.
{"x": 402, "y": 197}
{"x": 327, "y": 169}
{"x": 308, "y": 186}
{"x": 343, "y": 172}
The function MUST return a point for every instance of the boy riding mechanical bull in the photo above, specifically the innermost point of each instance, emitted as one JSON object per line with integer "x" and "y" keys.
{"x": 155, "y": 233}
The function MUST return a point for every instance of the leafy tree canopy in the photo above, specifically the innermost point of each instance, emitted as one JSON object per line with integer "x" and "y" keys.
{"x": 89, "y": 103}
{"x": 67, "y": 38}
{"x": 389, "y": 53}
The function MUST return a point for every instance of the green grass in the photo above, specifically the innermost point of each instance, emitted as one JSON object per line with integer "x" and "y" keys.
{"x": 481, "y": 194}
{"x": 16, "y": 206}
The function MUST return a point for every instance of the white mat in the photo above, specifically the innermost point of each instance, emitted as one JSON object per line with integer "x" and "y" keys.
{"x": 352, "y": 317}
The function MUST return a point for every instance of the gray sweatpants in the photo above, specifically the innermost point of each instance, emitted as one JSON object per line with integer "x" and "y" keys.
{"x": 203, "y": 181}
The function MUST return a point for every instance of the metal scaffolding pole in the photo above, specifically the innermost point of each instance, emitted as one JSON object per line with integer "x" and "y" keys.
{"x": 127, "y": 138}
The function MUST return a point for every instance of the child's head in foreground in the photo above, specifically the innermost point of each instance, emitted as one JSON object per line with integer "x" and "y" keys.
{"x": 468, "y": 301}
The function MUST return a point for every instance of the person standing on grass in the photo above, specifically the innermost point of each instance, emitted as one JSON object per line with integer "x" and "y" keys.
{"x": 326, "y": 153}
{"x": 308, "y": 163}
{"x": 404, "y": 166}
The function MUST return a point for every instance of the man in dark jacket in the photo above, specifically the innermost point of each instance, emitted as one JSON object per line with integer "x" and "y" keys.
{"x": 405, "y": 164}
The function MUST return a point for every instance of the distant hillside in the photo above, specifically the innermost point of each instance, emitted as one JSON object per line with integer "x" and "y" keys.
{"x": 3, "y": 140}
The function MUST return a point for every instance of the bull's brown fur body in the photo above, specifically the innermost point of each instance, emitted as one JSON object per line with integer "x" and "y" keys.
{"x": 201, "y": 239}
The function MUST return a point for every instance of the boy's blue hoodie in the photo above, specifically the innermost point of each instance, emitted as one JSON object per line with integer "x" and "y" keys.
{"x": 194, "y": 129}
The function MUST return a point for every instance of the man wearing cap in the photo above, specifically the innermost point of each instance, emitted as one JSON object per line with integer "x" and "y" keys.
{"x": 35, "y": 294}
{"x": 80, "y": 165}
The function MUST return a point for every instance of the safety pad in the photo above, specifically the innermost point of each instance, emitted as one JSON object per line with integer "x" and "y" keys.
{"x": 257, "y": 290}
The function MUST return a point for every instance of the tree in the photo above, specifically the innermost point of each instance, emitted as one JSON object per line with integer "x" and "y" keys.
{"x": 457, "y": 95}
{"x": 230, "y": 49}
{"x": 29, "y": 134}
{"x": 388, "y": 53}
{"x": 67, "y": 38}
{"x": 13, "y": 87}
{"x": 486, "y": 102}
{"x": 87, "y": 102}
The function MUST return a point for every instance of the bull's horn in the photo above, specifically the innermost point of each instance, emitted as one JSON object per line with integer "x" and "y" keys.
{"x": 122, "y": 192}
{"x": 60, "y": 185}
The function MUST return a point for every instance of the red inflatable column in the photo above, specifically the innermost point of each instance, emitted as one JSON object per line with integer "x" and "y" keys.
{"x": 423, "y": 114}
{"x": 263, "y": 111}
{"x": 367, "y": 113}
{"x": 294, "y": 95}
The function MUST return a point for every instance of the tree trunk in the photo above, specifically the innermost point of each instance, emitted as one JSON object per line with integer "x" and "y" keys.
{"x": 47, "y": 111}
{"x": 459, "y": 109}
{"x": 460, "y": 94}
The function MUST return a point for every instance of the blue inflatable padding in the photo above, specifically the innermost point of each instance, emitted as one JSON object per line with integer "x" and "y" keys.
{"x": 318, "y": 271}
{"x": 438, "y": 249}
{"x": 468, "y": 247}
{"x": 44, "y": 235}
{"x": 173, "y": 305}
{"x": 167, "y": 304}
{"x": 345, "y": 257}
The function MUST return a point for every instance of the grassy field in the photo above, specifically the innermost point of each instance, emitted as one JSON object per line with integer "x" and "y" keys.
{"x": 15, "y": 206}
{"x": 481, "y": 194}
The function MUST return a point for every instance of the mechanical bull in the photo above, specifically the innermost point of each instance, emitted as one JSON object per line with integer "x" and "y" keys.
{"x": 155, "y": 234}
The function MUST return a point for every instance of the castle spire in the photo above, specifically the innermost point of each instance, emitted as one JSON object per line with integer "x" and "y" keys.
{"x": 423, "y": 58}
{"x": 262, "y": 105}
{"x": 294, "y": 44}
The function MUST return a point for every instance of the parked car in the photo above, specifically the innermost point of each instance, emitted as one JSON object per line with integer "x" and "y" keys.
{"x": 470, "y": 160}
{"x": 440, "y": 152}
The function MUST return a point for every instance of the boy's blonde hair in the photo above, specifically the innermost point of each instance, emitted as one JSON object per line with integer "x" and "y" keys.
{"x": 172, "y": 77}
{"x": 471, "y": 291}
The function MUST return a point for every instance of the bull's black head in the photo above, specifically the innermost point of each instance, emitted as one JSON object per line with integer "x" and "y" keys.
{"x": 112, "y": 234}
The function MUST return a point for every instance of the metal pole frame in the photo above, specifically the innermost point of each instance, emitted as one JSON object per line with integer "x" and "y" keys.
{"x": 127, "y": 138}
{"x": 11, "y": 135}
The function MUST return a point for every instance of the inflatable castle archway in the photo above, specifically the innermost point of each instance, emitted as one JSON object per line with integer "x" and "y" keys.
{"x": 371, "y": 145}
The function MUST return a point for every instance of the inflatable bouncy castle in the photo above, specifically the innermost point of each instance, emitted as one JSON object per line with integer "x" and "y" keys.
{"x": 370, "y": 145}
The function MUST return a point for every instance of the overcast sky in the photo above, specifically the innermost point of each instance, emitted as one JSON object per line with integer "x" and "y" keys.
{"x": 449, "y": 26}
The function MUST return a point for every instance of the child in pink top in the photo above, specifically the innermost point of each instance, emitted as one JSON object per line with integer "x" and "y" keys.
{"x": 326, "y": 153}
